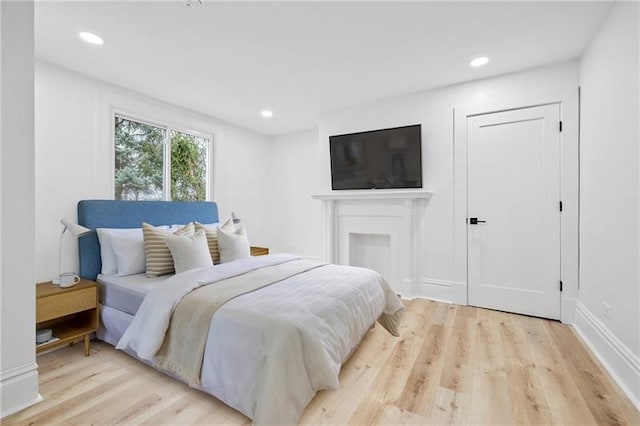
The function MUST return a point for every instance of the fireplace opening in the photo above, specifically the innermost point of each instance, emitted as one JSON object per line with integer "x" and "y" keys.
{"x": 371, "y": 251}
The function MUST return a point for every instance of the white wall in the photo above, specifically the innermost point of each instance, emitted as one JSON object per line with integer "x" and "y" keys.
{"x": 295, "y": 218}
{"x": 74, "y": 157}
{"x": 444, "y": 238}
{"x": 610, "y": 197}
{"x": 18, "y": 371}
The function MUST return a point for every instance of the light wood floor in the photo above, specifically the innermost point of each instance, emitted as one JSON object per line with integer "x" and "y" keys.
{"x": 452, "y": 365}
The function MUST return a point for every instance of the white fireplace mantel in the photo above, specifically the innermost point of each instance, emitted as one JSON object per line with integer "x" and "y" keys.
{"x": 372, "y": 216}
{"x": 374, "y": 194}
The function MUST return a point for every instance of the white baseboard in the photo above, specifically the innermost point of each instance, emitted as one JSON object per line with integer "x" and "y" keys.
{"x": 18, "y": 389}
{"x": 440, "y": 290}
{"x": 456, "y": 292}
{"x": 621, "y": 363}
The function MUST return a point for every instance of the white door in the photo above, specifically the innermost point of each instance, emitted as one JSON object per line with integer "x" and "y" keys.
{"x": 514, "y": 193}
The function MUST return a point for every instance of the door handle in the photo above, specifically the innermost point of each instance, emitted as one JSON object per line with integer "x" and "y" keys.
{"x": 475, "y": 221}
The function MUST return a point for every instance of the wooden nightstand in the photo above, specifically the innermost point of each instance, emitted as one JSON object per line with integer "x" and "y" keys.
{"x": 259, "y": 251}
{"x": 72, "y": 312}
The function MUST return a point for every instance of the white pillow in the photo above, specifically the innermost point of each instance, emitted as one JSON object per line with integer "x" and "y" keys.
{"x": 128, "y": 250}
{"x": 232, "y": 242}
{"x": 157, "y": 254}
{"x": 189, "y": 252}
{"x": 106, "y": 236}
{"x": 213, "y": 226}
{"x": 108, "y": 258}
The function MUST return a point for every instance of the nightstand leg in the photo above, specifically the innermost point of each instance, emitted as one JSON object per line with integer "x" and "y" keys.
{"x": 86, "y": 345}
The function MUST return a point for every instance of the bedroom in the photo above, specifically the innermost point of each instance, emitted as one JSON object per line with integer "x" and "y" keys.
{"x": 67, "y": 160}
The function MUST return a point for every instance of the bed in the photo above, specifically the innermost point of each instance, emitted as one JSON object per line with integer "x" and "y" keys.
{"x": 265, "y": 351}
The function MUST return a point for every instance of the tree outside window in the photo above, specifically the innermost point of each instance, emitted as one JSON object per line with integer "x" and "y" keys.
{"x": 188, "y": 167}
{"x": 158, "y": 163}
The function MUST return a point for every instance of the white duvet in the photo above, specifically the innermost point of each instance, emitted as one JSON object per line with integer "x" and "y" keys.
{"x": 270, "y": 350}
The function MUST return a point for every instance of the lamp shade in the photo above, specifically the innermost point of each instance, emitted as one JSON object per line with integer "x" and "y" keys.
{"x": 75, "y": 229}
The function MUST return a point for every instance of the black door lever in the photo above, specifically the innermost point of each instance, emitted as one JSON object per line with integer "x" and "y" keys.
{"x": 475, "y": 221}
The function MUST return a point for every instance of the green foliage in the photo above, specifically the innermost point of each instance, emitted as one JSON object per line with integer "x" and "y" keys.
{"x": 188, "y": 167}
{"x": 139, "y": 152}
{"x": 138, "y": 161}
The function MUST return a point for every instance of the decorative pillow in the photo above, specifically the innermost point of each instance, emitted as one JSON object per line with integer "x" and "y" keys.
{"x": 128, "y": 250}
{"x": 157, "y": 253}
{"x": 108, "y": 259}
{"x": 232, "y": 242}
{"x": 206, "y": 225}
{"x": 189, "y": 252}
{"x": 211, "y": 231}
{"x": 107, "y": 255}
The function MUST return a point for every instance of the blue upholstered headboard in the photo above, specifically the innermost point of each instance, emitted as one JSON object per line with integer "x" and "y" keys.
{"x": 130, "y": 214}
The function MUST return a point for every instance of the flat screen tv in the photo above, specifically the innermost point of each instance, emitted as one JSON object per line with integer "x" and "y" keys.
{"x": 377, "y": 159}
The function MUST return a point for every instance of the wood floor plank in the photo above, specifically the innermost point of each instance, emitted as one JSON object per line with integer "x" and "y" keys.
{"x": 565, "y": 401}
{"x": 601, "y": 397}
{"x": 444, "y": 314}
{"x": 393, "y": 415}
{"x": 369, "y": 412}
{"x": 528, "y": 400}
{"x": 63, "y": 390}
{"x": 490, "y": 400}
{"x": 391, "y": 381}
{"x": 164, "y": 411}
{"x": 450, "y": 407}
{"x": 452, "y": 364}
{"x": 334, "y": 404}
{"x": 457, "y": 373}
{"x": 77, "y": 403}
{"x": 125, "y": 411}
{"x": 419, "y": 391}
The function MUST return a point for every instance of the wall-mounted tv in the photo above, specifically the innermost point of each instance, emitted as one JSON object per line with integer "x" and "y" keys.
{"x": 377, "y": 159}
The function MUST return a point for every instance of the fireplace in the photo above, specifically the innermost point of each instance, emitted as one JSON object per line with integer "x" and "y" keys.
{"x": 380, "y": 230}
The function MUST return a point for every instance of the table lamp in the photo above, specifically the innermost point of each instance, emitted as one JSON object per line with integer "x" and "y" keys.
{"x": 75, "y": 230}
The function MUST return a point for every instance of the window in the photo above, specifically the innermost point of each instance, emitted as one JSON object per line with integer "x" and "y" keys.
{"x": 159, "y": 163}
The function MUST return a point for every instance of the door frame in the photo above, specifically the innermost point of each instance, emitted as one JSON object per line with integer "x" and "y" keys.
{"x": 568, "y": 192}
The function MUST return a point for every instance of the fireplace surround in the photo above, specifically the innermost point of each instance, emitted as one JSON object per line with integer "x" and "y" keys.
{"x": 378, "y": 229}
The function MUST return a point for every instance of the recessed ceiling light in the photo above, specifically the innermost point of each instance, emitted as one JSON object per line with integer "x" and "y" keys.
{"x": 266, "y": 113}
{"x": 91, "y": 38}
{"x": 478, "y": 62}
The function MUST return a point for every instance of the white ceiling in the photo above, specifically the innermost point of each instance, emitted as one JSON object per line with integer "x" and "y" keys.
{"x": 230, "y": 60}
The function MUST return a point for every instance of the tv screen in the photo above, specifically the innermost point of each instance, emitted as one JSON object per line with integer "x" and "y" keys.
{"x": 388, "y": 158}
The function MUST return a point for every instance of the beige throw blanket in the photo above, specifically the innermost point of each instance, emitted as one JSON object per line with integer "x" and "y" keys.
{"x": 183, "y": 348}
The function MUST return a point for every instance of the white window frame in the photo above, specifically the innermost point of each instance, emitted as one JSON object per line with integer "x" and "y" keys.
{"x": 166, "y": 167}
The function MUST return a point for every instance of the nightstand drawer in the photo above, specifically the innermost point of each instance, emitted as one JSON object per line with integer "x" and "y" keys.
{"x": 59, "y": 305}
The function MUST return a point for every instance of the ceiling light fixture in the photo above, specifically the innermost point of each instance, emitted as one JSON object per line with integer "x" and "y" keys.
{"x": 266, "y": 113}
{"x": 91, "y": 38}
{"x": 478, "y": 62}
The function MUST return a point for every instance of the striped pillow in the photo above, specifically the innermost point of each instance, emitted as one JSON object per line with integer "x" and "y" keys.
{"x": 158, "y": 257}
{"x": 212, "y": 241}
